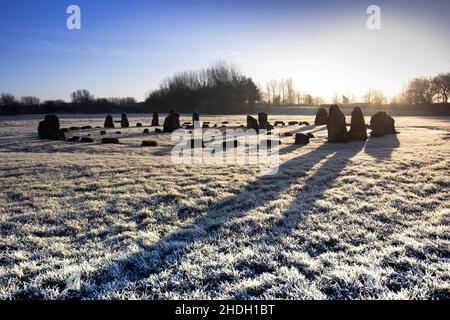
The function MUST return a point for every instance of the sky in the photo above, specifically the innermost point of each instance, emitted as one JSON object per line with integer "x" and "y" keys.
{"x": 125, "y": 48}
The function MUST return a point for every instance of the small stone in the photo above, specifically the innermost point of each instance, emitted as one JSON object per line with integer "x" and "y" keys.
{"x": 87, "y": 140}
{"x": 301, "y": 138}
{"x": 149, "y": 143}
{"x": 110, "y": 140}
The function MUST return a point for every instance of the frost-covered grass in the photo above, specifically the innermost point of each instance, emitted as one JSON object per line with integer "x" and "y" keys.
{"x": 350, "y": 221}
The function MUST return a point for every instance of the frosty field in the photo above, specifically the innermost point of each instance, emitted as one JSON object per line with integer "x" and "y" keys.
{"x": 339, "y": 221}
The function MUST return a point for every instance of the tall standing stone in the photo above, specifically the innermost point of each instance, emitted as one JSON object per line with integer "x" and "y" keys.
{"x": 263, "y": 121}
{"x": 358, "y": 130}
{"x": 109, "y": 122}
{"x": 381, "y": 123}
{"x": 49, "y": 128}
{"x": 124, "y": 121}
{"x": 252, "y": 123}
{"x": 321, "y": 117}
{"x": 155, "y": 120}
{"x": 195, "y": 117}
{"x": 172, "y": 122}
{"x": 337, "y": 128}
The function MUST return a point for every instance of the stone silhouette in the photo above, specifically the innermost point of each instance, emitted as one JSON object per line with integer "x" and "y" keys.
{"x": 172, "y": 122}
{"x": 110, "y": 140}
{"x": 381, "y": 124}
{"x": 358, "y": 129}
{"x": 73, "y": 139}
{"x": 252, "y": 123}
{"x": 195, "y": 117}
{"x": 337, "y": 128}
{"x": 301, "y": 138}
{"x": 321, "y": 117}
{"x": 87, "y": 140}
{"x": 109, "y": 122}
{"x": 149, "y": 143}
{"x": 155, "y": 119}
{"x": 124, "y": 121}
{"x": 49, "y": 129}
{"x": 263, "y": 121}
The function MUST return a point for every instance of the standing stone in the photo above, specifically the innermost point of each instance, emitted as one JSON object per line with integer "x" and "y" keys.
{"x": 155, "y": 120}
{"x": 252, "y": 123}
{"x": 263, "y": 121}
{"x": 172, "y": 122}
{"x": 358, "y": 129}
{"x": 49, "y": 129}
{"x": 124, "y": 121}
{"x": 195, "y": 117}
{"x": 109, "y": 122}
{"x": 301, "y": 138}
{"x": 321, "y": 117}
{"x": 381, "y": 123}
{"x": 337, "y": 128}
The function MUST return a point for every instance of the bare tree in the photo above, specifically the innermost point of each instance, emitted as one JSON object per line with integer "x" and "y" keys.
{"x": 30, "y": 101}
{"x": 82, "y": 97}
{"x": 273, "y": 86}
{"x": 441, "y": 86}
{"x": 290, "y": 91}
{"x": 7, "y": 99}
{"x": 376, "y": 97}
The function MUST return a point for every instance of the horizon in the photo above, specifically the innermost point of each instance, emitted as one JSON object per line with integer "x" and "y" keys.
{"x": 127, "y": 49}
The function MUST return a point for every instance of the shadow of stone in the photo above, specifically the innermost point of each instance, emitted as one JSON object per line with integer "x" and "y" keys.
{"x": 382, "y": 147}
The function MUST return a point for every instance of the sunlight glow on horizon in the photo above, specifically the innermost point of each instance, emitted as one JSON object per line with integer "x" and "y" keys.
{"x": 324, "y": 47}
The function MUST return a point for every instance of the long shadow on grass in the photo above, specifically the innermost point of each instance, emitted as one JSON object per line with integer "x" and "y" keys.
{"x": 168, "y": 250}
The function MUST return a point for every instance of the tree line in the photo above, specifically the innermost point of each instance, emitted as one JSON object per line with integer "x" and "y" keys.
{"x": 82, "y": 101}
{"x": 222, "y": 88}
{"x": 283, "y": 93}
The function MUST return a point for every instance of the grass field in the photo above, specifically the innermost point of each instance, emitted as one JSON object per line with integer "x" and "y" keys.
{"x": 349, "y": 221}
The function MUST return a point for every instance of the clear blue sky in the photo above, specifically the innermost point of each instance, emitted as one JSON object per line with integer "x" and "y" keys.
{"x": 125, "y": 48}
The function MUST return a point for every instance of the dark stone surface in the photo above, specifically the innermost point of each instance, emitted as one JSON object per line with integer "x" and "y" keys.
{"x": 321, "y": 117}
{"x": 149, "y": 143}
{"x": 49, "y": 129}
{"x": 252, "y": 123}
{"x": 358, "y": 129}
{"x": 337, "y": 128}
{"x": 381, "y": 124}
{"x": 109, "y": 122}
{"x": 124, "y": 121}
{"x": 172, "y": 122}
{"x": 86, "y": 140}
{"x": 73, "y": 139}
{"x": 301, "y": 138}
{"x": 195, "y": 117}
{"x": 155, "y": 119}
{"x": 110, "y": 140}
